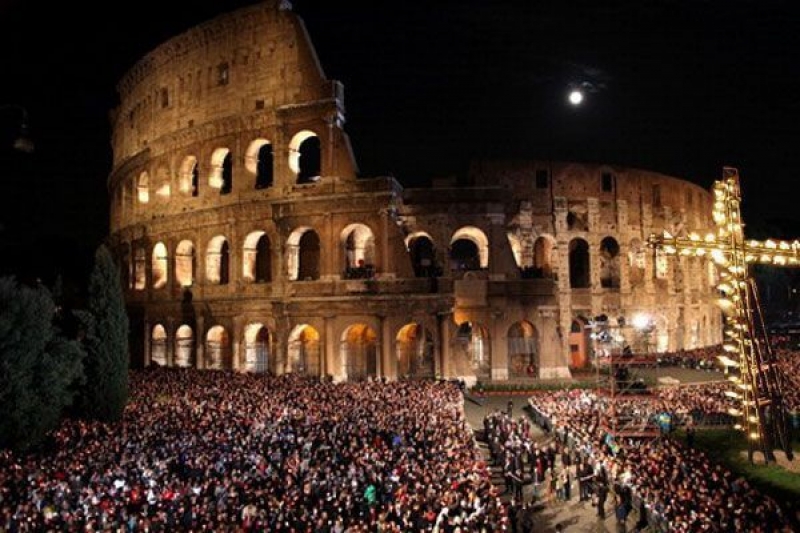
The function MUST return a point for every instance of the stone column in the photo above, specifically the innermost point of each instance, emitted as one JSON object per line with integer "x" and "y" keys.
{"x": 147, "y": 341}
{"x": 329, "y": 352}
{"x": 385, "y": 265}
{"x": 443, "y": 362}
{"x": 329, "y": 251}
{"x": 388, "y": 369}
{"x": 200, "y": 343}
{"x": 238, "y": 341}
{"x": 499, "y": 347}
{"x": 171, "y": 337}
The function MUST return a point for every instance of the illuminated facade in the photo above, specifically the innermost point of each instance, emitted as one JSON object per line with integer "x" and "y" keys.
{"x": 246, "y": 240}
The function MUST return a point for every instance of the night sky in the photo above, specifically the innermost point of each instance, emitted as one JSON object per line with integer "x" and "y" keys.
{"x": 680, "y": 87}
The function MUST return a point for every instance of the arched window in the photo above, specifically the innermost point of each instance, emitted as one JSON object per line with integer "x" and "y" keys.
{"x": 256, "y": 348}
{"x": 143, "y": 188}
{"x": 217, "y": 261}
{"x": 359, "y": 351}
{"x": 189, "y": 176}
{"x": 256, "y": 259}
{"x": 184, "y": 264}
{"x": 579, "y": 264}
{"x": 158, "y": 345}
{"x": 415, "y": 352}
{"x": 305, "y": 156}
{"x": 423, "y": 255}
{"x": 609, "y": 263}
{"x": 221, "y": 171}
{"x": 359, "y": 251}
{"x": 160, "y": 262}
{"x": 303, "y": 254}
{"x": 259, "y": 160}
{"x": 304, "y": 356}
{"x": 469, "y": 249}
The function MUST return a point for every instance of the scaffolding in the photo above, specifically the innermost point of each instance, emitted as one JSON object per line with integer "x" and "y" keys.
{"x": 621, "y": 352}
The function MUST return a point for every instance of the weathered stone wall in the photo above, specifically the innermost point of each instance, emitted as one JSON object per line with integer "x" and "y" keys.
{"x": 328, "y": 275}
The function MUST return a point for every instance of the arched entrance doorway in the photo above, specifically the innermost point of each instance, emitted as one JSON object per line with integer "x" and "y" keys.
{"x": 217, "y": 348}
{"x": 184, "y": 347}
{"x": 415, "y": 352}
{"x": 158, "y": 345}
{"x": 523, "y": 350}
{"x": 256, "y": 348}
{"x": 359, "y": 350}
{"x": 304, "y": 356}
{"x": 471, "y": 350}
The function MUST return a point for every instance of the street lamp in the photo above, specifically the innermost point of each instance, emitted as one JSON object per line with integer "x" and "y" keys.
{"x": 22, "y": 141}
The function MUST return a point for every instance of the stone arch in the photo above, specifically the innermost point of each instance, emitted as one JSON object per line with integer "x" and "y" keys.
{"x": 188, "y": 178}
{"x": 140, "y": 269}
{"x": 185, "y": 263}
{"x": 609, "y": 263}
{"x": 359, "y": 352}
{"x": 543, "y": 257}
{"x": 160, "y": 275}
{"x": 472, "y": 350}
{"x": 523, "y": 350}
{"x": 217, "y": 348}
{"x": 415, "y": 352}
{"x": 221, "y": 176}
{"x": 579, "y": 343}
{"x": 143, "y": 188}
{"x": 469, "y": 249}
{"x": 423, "y": 254}
{"x": 257, "y": 348}
{"x": 259, "y": 161}
{"x": 304, "y": 351}
{"x": 158, "y": 345}
{"x": 257, "y": 258}
{"x": 163, "y": 188}
{"x": 184, "y": 347}
{"x": 305, "y": 156}
{"x": 579, "y": 268}
{"x": 303, "y": 254}
{"x": 358, "y": 243}
{"x": 218, "y": 261}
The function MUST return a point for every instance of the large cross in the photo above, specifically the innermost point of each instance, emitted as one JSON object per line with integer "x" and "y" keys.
{"x": 759, "y": 383}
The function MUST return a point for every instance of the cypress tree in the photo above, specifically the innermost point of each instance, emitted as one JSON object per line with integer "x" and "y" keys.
{"x": 106, "y": 342}
{"x": 38, "y": 367}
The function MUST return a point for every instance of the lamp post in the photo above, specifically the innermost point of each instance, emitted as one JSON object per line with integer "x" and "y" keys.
{"x": 22, "y": 141}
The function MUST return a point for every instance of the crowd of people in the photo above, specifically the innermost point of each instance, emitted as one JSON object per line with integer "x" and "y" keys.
{"x": 220, "y": 451}
{"x": 680, "y": 489}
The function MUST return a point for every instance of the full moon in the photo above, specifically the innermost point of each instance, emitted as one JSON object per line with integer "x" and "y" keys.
{"x": 575, "y": 97}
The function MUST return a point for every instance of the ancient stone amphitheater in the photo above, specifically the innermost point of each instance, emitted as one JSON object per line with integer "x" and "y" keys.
{"x": 247, "y": 240}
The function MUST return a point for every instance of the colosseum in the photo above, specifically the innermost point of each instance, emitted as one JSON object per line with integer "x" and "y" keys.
{"x": 247, "y": 239}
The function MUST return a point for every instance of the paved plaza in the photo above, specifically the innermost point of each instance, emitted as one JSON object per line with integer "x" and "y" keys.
{"x": 574, "y": 516}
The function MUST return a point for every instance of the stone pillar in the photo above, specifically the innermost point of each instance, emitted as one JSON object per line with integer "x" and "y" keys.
{"x": 388, "y": 363}
{"x": 385, "y": 268}
{"x": 329, "y": 251}
{"x": 200, "y": 343}
{"x": 501, "y": 259}
{"x": 499, "y": 347}
{"x": 443, "y": 363}
{"x": 329, "y": 352}
{"x": 171, "y": 337}
{"x": 237, "y": 337}
{"x": 147, "y": 341}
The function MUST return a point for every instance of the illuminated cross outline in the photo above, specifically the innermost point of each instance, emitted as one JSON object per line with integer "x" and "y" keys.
{"x": 763, "y": 415}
